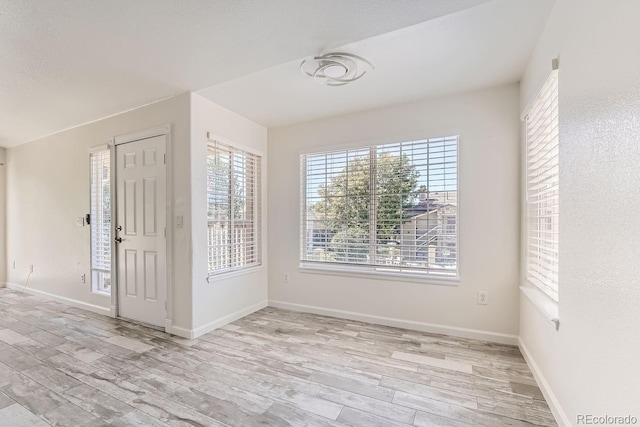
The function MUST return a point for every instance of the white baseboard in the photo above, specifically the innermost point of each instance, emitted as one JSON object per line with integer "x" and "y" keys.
{"x": 496, "y": 337}
{"x": 201, "y": 330}
{"x": 53, "y": 297}
{"x": 180, "y": 332}
{"x": 550, "y": 397}
{"x": 218, "y": 323}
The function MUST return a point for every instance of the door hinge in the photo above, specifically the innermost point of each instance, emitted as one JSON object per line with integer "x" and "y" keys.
{"x": 165, "y": 232}
{"x": 164, "y": 158}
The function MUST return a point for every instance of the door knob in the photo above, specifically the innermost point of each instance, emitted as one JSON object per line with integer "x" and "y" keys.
{"x": 118, "y": 239}
{"x": 119, "y": 228}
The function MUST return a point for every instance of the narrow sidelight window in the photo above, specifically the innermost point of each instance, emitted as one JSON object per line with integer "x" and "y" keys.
{"x": 101, "y": 221}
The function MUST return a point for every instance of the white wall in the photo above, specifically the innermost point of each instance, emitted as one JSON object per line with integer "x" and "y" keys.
{"x": 3, "y": 213}
{"x": 488, "y": 124}
{"x": 590, "y": 366}
{"x": 48, "y": 187}
{"x": 227, "y": 298}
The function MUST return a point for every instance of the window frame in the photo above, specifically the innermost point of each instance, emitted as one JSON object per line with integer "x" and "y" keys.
{"x": 257, "y": 210}
{"x": 547, "y": 290}
{"x": 374, "y": 271}
{"x": 97, "y": 274}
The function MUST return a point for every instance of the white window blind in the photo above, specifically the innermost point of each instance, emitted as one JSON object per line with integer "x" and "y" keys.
{"x": 234, "y": 208}
{"x": 384, "y": 208}
{"x": 542, "y": 189}
{"x": 101, "y": 220}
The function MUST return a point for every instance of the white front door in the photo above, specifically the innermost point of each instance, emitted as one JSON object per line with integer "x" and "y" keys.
{"x": 140, "y": 230}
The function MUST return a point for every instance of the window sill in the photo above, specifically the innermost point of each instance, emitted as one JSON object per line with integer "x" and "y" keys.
{"x": 218, "y": 277}
{"x": 545, "y": 305}
{"x": 380, "y": 275}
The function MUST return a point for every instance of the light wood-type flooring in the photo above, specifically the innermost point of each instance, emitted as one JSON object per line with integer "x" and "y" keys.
{"x": 63, "y": 366}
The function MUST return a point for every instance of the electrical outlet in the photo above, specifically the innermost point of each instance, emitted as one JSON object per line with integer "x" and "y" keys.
{"x": 83, "y": 278}
{"x": 483, "y": 297}
{"x": 286, "y": 277}
{"x": 31, "y": 268}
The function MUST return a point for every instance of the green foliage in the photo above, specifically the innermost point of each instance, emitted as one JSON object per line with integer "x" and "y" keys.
{"x": 396, "y": 180}
{"x": 350, "y": 245}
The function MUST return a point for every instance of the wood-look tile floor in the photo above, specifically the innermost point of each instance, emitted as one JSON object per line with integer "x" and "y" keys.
{"x": 63, "y": 366}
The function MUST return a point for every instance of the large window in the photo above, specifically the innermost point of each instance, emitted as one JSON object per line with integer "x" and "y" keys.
{"x": 101, "y": 221}
{"x": 542, "y": 189}
{"x": 233, "y": 197}
{"x": 386, "y": 208}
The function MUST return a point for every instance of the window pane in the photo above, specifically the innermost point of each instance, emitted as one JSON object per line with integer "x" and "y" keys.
{"x": 392, "y": 207}
{"x": 101, "y": 220}
{"x": 234, "y": 208}
{"x": 542, "y": 189}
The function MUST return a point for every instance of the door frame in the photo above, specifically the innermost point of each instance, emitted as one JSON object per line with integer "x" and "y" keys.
{"x": 165, "y": 131}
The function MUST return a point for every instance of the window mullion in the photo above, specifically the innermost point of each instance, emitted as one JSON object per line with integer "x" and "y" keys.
{"x": 373, "y": 208}
{"x": 232, "y": 211}
{"x": 255, "y": 203}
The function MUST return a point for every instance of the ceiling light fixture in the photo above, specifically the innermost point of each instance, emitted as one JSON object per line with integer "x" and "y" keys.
{"x": 336, "y": 68}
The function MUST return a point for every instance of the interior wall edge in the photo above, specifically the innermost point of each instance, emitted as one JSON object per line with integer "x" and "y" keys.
{"x": 180, "y": 331}
{"x": 553, "y": 402}
{"x": 57, "y": 298}
{"x": 496, "y": 337}
{"x": 225, "y": 320}
{"x": 193, "y": 333}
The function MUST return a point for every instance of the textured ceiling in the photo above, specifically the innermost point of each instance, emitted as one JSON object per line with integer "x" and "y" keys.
{"x": 67, "y": 62}
{"x": 480, "y": 47}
